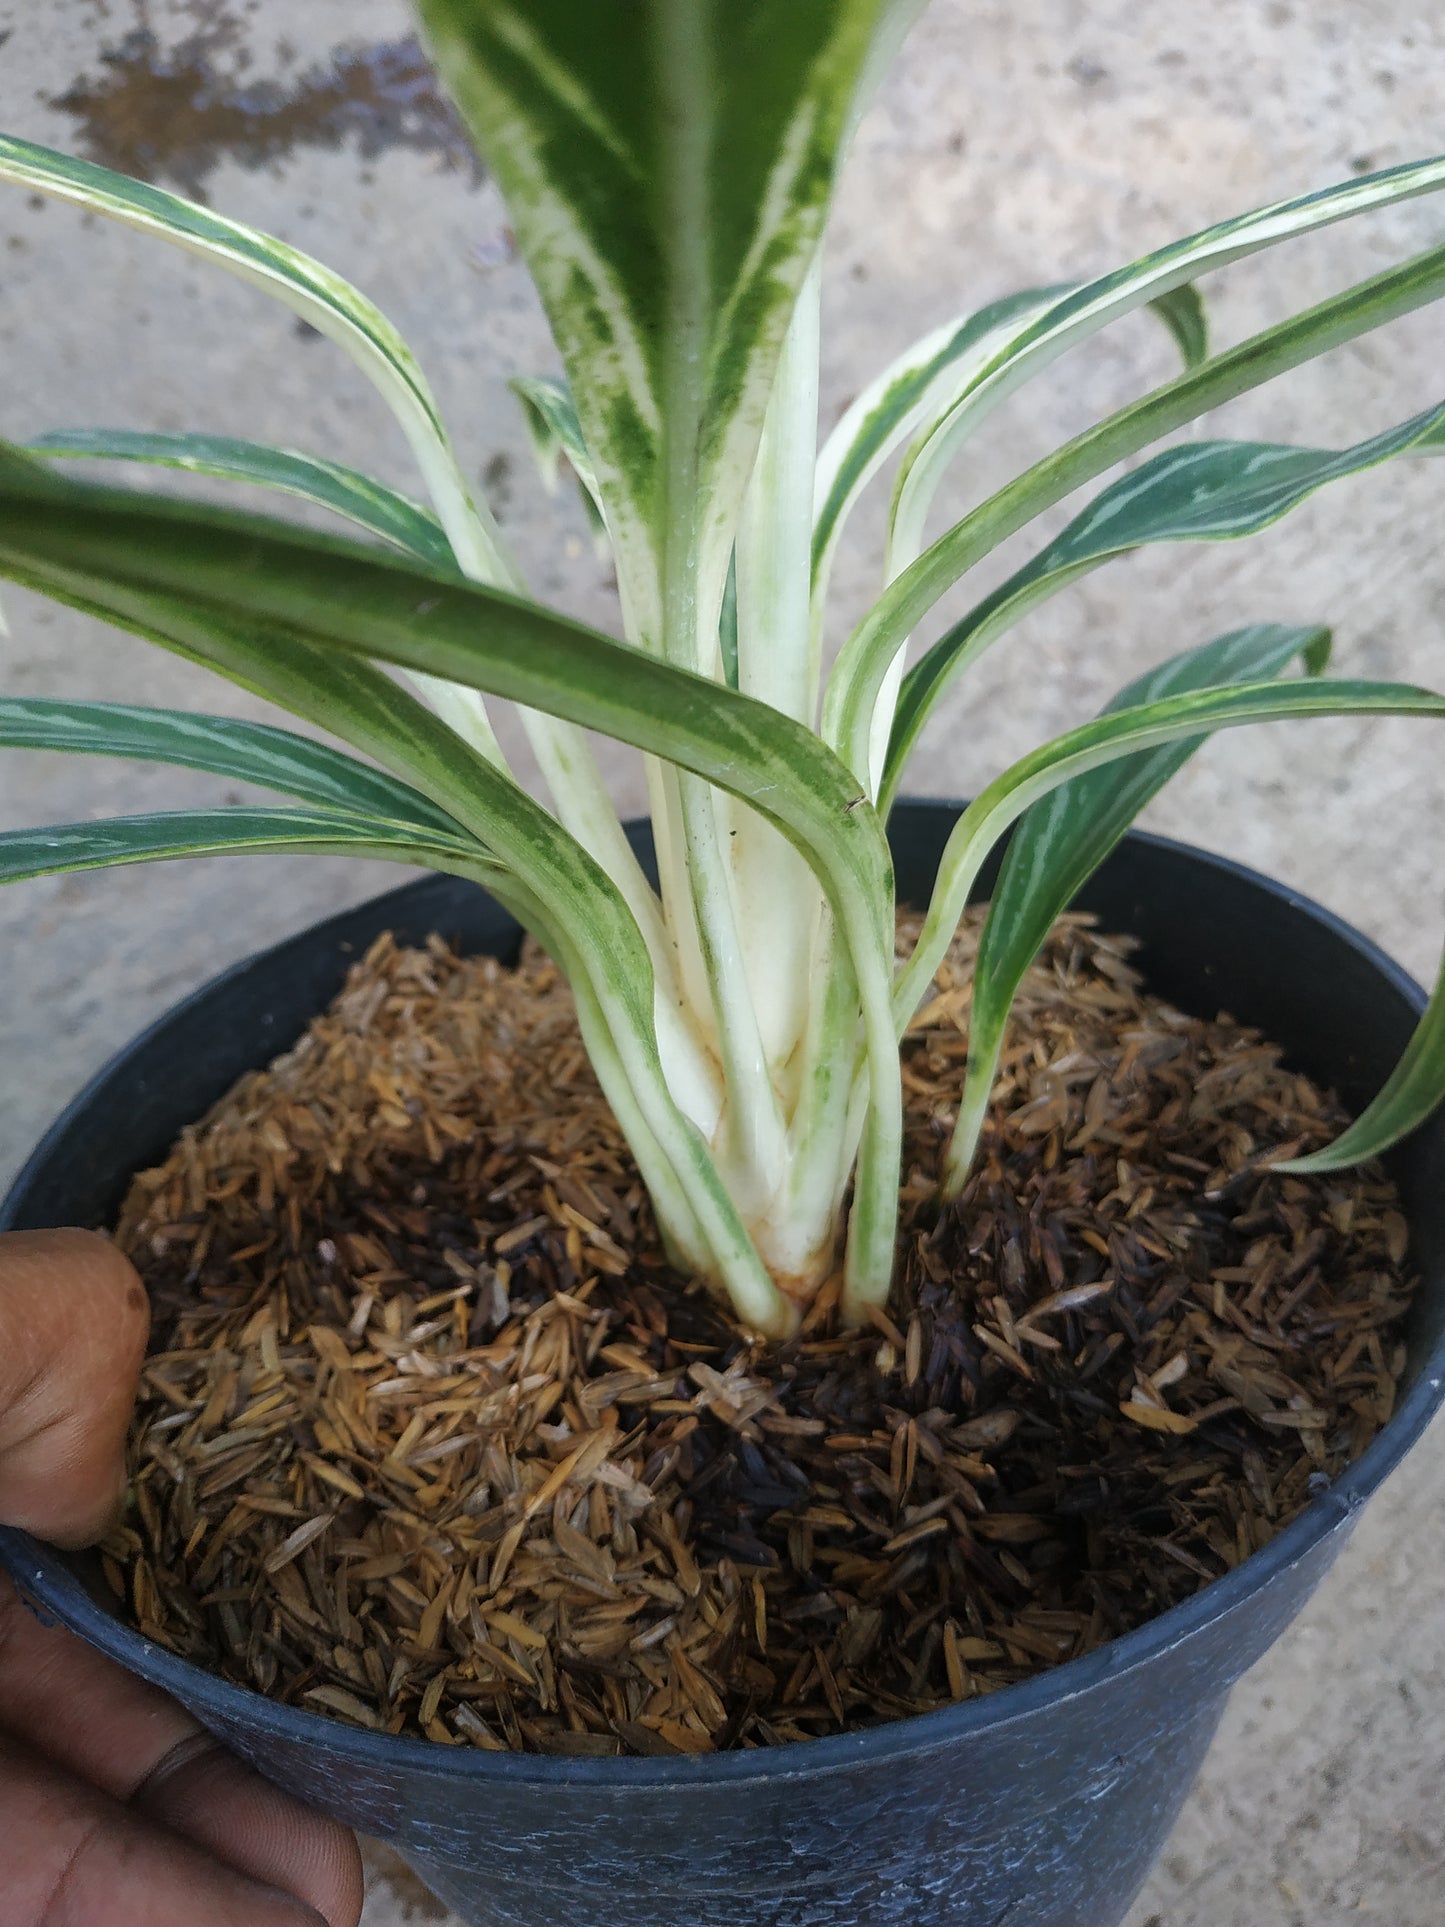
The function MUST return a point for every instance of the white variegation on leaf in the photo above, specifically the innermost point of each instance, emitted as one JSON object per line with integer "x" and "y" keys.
{"x": 669, "y": 166}
{"x": 357, "y": 498}
{"x": 556, "y": 436}
{"x": 1059, "y": 843}
{"x": 868, "y": 656}
{"x": 1198, "y": 492}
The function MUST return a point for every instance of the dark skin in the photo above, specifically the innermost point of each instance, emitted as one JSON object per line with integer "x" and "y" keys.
{"x": 116, "y": 1808}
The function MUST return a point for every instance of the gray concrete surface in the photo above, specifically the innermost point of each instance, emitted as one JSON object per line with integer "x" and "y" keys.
{"x": 1016, "y": 143}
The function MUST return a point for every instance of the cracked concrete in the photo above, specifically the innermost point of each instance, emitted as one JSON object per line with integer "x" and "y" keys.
{"x": 1015, "y": 144}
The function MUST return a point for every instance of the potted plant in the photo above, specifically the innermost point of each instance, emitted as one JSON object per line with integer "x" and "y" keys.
{"x": 669, "y": 174}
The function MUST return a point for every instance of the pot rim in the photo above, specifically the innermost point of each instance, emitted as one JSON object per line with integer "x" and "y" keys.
{"x": 44, "y": 1577}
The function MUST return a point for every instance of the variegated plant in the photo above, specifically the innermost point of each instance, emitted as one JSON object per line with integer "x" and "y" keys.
{"x": 669, "y": 167}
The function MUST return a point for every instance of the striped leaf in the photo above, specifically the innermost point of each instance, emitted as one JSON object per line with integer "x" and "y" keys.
{"x": 131, "y": 556}
{"x": 399, "y": 521}
{"x": 329, "y": 304}
{"x": 322, "y": 298}
{"x": 556, "y": 434}
{"x": 1200, "y": 492}
{"x": 347, "y": 696}
{"x": 865, "y": 661}
{"x": 1124, "y": 733}
{"x": 345, "y": 491}
{"x": 225, "y": 832}
{"x": 922, "y": 384}
{"x": 668, "y": 178}
{"x": 265, "y": 597}
{"x": 1155, "y": 277}
{"x": 1409, "y": 1095}
{"x": 1182, "y": 312}
{"x": 1059, "y": 843}
{"x": 222, "y": 746}
{"x": 921, "y": 388}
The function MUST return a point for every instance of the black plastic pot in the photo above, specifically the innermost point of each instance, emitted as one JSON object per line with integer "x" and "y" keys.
{"x": 1041, "y": 1806}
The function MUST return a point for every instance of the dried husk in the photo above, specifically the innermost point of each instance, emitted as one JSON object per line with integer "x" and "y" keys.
{"x": 433, "y": 1442}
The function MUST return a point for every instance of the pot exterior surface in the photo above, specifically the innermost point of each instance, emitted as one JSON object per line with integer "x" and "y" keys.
{"x": 905, "y": 1855}
{"x": 1040, "y": 1806}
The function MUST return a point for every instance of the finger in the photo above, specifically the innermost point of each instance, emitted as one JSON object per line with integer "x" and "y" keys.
{"x": 71, "y": 1857}
{"x": 132, "y": 1742}
{"x": 205, "y": 1793}
{"x": 73, "y": 1324}
{"x": 84, "y": 1711}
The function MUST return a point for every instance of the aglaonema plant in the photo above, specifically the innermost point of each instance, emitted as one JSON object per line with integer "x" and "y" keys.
{"x": 668, "y": 168}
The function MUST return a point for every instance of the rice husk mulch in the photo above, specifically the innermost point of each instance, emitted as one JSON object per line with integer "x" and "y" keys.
{"x": 432, "y": 1441}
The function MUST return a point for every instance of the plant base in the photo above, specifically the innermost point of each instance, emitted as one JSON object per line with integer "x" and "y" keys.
{"x": 432, "y": 1442}
{"x": 1042, "y": 1804}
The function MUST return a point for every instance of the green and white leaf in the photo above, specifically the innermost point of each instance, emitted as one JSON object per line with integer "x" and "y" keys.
{"x": 191, "y": 575}
{"x": 866, "y": 658}
{"x": 1154, "y": 277}
{"x": 327, "y": 303}
{"x": 1411, "y": 1092}
{"x": 920, "y": 389}
{"x": 556, "y": 434}
{"x": 321, "y": 298}
{"x": 1199, "y": 492}
{"x": 1059, "y": 843}
{"x": 223, "y": 832}
{"x": 778, "y": 663}
{"x": 668, "y": 181}
{"x": 922, "y": 384}
{"x": 359, "y": 498}
{"x": 1103, "y": 741}
{"x": 222, "y": 746}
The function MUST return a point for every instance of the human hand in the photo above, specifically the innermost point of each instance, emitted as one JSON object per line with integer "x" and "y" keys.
{"x": 116, "y": 1808}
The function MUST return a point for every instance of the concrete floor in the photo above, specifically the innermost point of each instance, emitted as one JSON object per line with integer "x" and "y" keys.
{"x": 1016, "y": 143}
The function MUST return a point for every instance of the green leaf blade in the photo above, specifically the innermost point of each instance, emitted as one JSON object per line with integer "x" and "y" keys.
{"x": 309, "y": 289}
{"x": 1198, "y": 492}
{"x": 232, "y": 831}
{"x": 1114, "y": 735}
{"x": 345, "y": 491}
{"x": 864, "y": 663}
{"x": 1058, "y": 844}
{"x": 667, "y": 170}
{"x": 126, "y": 556}
{"x": 893, "y": 405}
{"x": 1161, "y": 279}
{"x": 1410, "y": 1095}
{"x": 221, "y": 746}
{"x": 1182, "y": 311}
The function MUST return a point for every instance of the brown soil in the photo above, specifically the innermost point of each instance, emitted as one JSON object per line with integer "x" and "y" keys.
{"x": 434, "y": 1442}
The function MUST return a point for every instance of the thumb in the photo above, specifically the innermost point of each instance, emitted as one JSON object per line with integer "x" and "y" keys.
{"x": 73, "y": 1325}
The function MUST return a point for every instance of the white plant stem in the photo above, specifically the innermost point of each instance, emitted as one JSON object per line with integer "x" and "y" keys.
{"x": 808, "y": 1213}
{"x": 751, "y": 1144}
{"x": 779, "y": 897}
{"x": 776, "y": 527}
{"x": 698, "y": 1219}
{"x": 563, "y": 753}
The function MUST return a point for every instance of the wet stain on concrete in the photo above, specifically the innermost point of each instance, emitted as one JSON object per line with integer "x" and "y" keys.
{"x": 172, "y": 113}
